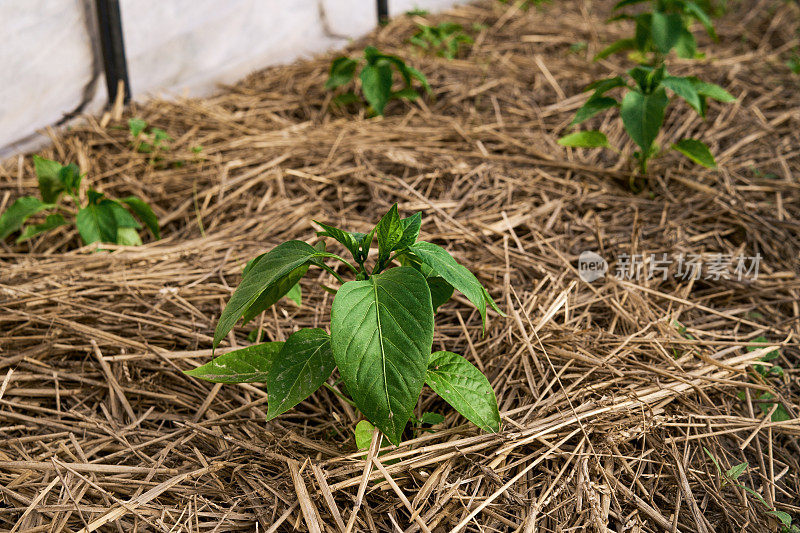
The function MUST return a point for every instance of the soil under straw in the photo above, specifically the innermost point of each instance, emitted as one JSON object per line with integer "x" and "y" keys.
{"x": 606, "y": 404}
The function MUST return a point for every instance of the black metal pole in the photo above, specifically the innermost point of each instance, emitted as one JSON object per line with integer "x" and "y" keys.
{"x": 383, "y": 11}
{"x": 113, "y": 47}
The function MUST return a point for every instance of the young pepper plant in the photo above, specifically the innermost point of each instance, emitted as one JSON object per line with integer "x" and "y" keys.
{"x": 377, "y": 79}
{"x": 99, "y": 219}
{"x": 381, "y": 328}
{"x": 445, "y": 39}
{"x": 642, "y": 109}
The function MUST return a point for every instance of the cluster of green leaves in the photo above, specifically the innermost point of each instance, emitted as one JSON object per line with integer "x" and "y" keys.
{"x": 666, "y": 26}
{"x": 642, "y": 108}
{"x": 381, "y": 328}
{"x": 377, "y": 79}
{"x": 764, "y": 373}
{"x": 445, "y": 39}
{"x": 99, "y": 219}
{"x": 148, "y": 140}
{"x": 732, "y": 476}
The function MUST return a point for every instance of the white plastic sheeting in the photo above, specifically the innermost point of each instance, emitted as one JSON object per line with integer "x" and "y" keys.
{"x": 50, "y": 65}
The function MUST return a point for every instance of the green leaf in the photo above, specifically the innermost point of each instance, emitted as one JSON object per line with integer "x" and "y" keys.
{"x": 784, "y": 518}
{"x": 407, "y": 93}
{"x": 585, "y": 139}
{"x": 686, "y": 46}
{"x": 734, "y": 472}
{"x": 780, "y": 414}
{"x": 275, "y": 292}
{"x": 376, "y": 84}
{"x": 247, "y": 365}
{"x": 666, "y": 29}
{"x": 123, "y": 217}
{"x": 295, "y": 294}
{"x": 593, "y": 106}
{"x": 273, "y": 267}
{"x": 345, "y": 237}
{"x": 600, "y": 87}
{"x": 712, "y": 90}
{"x": 697, "y": 151}
{"x": 136, "y": 126}
{"x": 441, "y": 291}
{"x": 142, "y": 210}
{"x": 50, "y": 187}
{"x": 382, "y": 332}
{"x": 97, "y": 222}
{"x": 70, "y": 178}
{"x": 643, "y": 115}
{"x": 613, "y": 48}
{"x": 363, "y": 434}
{"x": 431, "y": 418}
{"x": 464, "y": 387}
{"x": 128, "y": 237}
{"x": 343, "y": 69}
{"x": 456, "y": 275}
{"x": 684, "y": 88}
{"x": 698, "y": 13}
{"x": 411, "y": 226}
{"x": 17, "y": 213}
{"x": 301, "y": 367}
{"x": 51, "y": 222}
{"x": 389, "y": 231}
{"x": 492, "y": 304}
{"x": 643, "y": 33}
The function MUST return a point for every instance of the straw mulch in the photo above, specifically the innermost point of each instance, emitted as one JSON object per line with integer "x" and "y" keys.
{"x": 607, "y": 404}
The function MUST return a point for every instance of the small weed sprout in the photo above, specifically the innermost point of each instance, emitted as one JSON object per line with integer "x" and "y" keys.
{"x": 443, "y": 40}
{"x": 148, "y": 140}
{"x": 381, "y": 329}
{"x": 377, "y": 80}
{"x": 99, "y": 219}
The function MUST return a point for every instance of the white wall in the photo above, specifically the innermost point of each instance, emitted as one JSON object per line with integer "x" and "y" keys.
{"x": 50, "y": 66}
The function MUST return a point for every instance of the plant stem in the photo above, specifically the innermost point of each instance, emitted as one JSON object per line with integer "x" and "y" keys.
{"x": 339, "y": 394}
{"x": 331, "y": 271}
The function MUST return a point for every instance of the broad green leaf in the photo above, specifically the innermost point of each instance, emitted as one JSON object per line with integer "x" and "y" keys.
{"x": 275, "y": 292}
{"x": 441, "y": 291}
{"x": 465, "y": 388}
{"x": 273, "y": 267}
{"x": 666, "y": 29}
{"x": 50, "y": 187}
{"x": 643, "y": 32}
{"x": 600, "y": 87}
{"x": 70, "y": 177}
{"x": 643, "y": 115}
{"x": 734, "y": 472}
{"x": 142, "y": 210}
{"x": 128, "y": 237}
{"x": 697, "y": 151}
{"x": 301, "y": 367}
{"x": 613, "y": 48}
{"x": 96, "y": 223}
{"x": 295, "y": 294}
{"x": 585, "y": 139}
{"x": 136, "y": 126}
{"x": 783, "y": 517}
{"x": 712, "y": 90}
{"x": 411, "y": 226}
{"x": 17, "y": 213}
{"x": 51, "y": 222}
{"x": 780, "y": 414}
{"x": 420, "y": 77}
{"x": 363, "y": 434}
{"x": 686, "y": 46}
{"x": 123, "y": 216}
{"x": 593, "y": 106}
{"x": 344, "y": 237}
{"x": 382, "y": 332}
{"x": 684, "y": 88}
{"x": 343, "y": 69}
{"x": 376, "y": 84}
{"x": 389, "y": 231}
{"x": 247, "y": 365}
{"x": 456, "y": 275}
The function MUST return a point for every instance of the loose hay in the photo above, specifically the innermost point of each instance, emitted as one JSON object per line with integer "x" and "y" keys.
{"x": 606, "y": 404}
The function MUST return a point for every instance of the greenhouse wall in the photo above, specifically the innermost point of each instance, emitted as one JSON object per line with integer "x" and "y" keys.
{"x": 52, "y": 63}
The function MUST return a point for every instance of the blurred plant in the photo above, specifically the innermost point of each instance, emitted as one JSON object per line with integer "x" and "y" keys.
{"x": 100, "y": 219}
{"x": 148, "y": 140}
{"x": 444, "y": 40}
{"x": 377, "y": 80}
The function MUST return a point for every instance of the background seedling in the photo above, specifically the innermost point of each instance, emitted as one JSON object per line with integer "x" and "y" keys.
{"x": 148, "y": 140}
{"x": 444, "y": 39}
{"x": 98, "y": 219}
{"x": 381, "y": 328}
{"x": 376, "y": 80}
